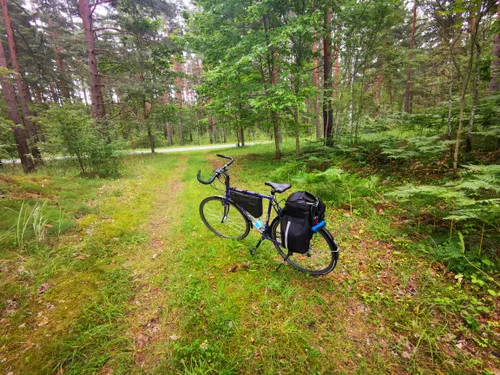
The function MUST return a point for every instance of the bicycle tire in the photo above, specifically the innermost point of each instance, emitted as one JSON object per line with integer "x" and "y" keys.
{"x": 321, "y": 258}
{"x": 224, "y": 218}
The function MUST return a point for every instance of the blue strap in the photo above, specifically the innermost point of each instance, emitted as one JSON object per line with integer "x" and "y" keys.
{"x": 318, "y": 226}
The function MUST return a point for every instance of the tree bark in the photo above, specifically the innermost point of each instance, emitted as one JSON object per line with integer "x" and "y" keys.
{"x": 9, "y": 95}
{"x": 272, "y": 71}
{"x": 23, "y": 93}
{"x": 296, "y": 130}
{"x": 178, "y": 85}
{"x": 475, "y": 99}
{"x": 96, "y": 97}
{"x": 450, "y": 105}
{"x": 316, "y": 85}
{"x": 477, "y": 20}
{"x": 242, "y": 137}
{"x": 213, "y": 129}
{"x": 351, "y": 104}
{"x": 408, "y": 93}
{"x": 380, "y": 81}
{"x": 169, "y": 133}
{"x": 327, "y": 78}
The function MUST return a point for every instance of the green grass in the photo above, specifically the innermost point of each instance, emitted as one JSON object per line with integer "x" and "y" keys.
{"x": 136, "y": 284}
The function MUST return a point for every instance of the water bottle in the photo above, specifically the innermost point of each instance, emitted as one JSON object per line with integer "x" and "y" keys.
{"x": 258, "y": 224}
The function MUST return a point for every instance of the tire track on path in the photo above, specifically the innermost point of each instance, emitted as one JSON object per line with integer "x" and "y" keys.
{"x": 151, "y": 321}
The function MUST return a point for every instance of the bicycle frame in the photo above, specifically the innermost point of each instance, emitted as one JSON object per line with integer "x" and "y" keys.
{"x": 273, "y": 204}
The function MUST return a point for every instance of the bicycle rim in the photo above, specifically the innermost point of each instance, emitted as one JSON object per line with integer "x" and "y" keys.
{"x": 321, "y": 258}
{"x": 224, "y": 218}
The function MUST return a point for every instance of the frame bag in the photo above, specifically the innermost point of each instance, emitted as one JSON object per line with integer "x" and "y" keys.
{"x": 302, "y": 211}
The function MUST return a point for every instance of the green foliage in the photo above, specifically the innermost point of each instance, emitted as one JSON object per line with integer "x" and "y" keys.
{"x": 7, "y": 144}
{"x": 424, "y": 149}
{"x": 71, "y": 132}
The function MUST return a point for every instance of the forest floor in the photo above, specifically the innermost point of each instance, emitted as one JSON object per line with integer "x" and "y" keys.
{"x": 127, "y": 280}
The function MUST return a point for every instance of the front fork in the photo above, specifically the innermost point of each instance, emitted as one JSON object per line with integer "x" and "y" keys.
{"x": 226, "y": 212}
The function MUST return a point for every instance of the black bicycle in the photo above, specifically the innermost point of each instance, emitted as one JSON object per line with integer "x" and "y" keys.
{"x": 232, "y": 215}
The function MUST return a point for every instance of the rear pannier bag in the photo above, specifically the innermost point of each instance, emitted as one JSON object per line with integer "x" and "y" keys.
{"x": 251, "y": 204}
{"x": 302, "y": 211}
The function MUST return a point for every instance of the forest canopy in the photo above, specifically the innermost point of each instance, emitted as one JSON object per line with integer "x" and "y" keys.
{"x": 156, "y": 73}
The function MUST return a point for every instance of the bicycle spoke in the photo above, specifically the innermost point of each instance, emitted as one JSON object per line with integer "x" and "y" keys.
{"x": 223, "y": 218}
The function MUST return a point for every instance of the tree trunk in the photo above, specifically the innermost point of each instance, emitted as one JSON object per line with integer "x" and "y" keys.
{"x": 224, "y": 134}
{"x": 9, "y": 95}
{"x": 178, "y": 85}
{"x": 477, "y": 20}
{"x": 495, "y": 62}
{"x": 380, "y": 81}
{"x": 213, "y": 129}
{"x": 242, "y": 137}
{"x": 151, "y": 139}
{"x": 96, "y": 97}
{"x": 316, "y": 97}
{"x": 351, "y": 103}
{"x": 23, "y": 93}
{"x": 327, "y": 78}
{"x": 408, "y": 94}
{"x": 475, "y": 99}
{"x": 169, "y": 133}
{"x": 272, "y": 70}
{"x": 450, "y": 105}
{"x": 296, "y": 128}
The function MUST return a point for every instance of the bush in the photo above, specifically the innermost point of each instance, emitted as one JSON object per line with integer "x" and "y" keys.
{"x": 72, "y": 132}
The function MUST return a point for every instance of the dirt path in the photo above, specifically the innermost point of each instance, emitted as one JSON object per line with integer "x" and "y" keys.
{"x": 150, "y": 326}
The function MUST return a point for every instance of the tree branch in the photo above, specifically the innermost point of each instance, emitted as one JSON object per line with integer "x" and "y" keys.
{"x": 96, "y": 4}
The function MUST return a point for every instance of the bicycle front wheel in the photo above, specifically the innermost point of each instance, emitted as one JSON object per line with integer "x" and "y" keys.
{"x": 319, "y": 260}
{"x": 224, "y": 218}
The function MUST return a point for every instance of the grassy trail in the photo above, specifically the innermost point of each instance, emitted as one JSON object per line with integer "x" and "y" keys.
{"x": 140, "y": 286}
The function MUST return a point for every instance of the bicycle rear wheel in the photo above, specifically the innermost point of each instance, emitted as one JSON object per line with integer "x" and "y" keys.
{"x": 224, "y": 218}
{"x": 321, "y": 258}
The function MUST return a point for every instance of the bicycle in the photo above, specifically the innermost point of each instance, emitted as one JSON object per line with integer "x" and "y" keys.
{"x": 225, "y": 217}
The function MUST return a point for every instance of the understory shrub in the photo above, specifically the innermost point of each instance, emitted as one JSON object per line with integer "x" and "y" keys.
{"x": 72, "y": 133}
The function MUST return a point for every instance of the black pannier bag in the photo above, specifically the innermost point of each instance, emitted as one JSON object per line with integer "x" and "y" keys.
{"x": 301, "y": 212}
{"x": 251, "y": 204}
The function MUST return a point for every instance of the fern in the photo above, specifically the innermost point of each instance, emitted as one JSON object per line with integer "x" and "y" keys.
{"x": 424, "y": 149}
{"x": 481, "y": 177}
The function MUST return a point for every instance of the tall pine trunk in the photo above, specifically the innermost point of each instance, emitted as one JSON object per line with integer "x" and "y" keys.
{"x": 408, "y": 93}
{"x": 316, "y": 97}
{"x": 9, "y": 95}
{"x": 23, "y": 92}
{"x": 327, "y": 78}
{"x": 473, "y": 37}
{"x": 178, "y": 86}
{"x": 272, "y": 71}
{"x": 475, "y": 99}
{"x": 96, "y": 97}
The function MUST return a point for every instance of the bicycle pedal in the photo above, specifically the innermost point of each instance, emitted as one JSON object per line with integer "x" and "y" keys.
{"x": 253, "y": 251}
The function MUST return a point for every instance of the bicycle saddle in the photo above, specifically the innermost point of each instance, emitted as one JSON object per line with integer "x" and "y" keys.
{"x": 279, "y": 188}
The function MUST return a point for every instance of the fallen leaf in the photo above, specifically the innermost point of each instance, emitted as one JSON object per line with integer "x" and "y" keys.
{"x": 43, "y": 288}
{"x": 406, "y": 355}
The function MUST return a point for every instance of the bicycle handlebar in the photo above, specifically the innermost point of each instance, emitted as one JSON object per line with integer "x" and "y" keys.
{"x": 206, "y": 182}
{"x": 226, "y": 157}
{"x": 217, "y": 171}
